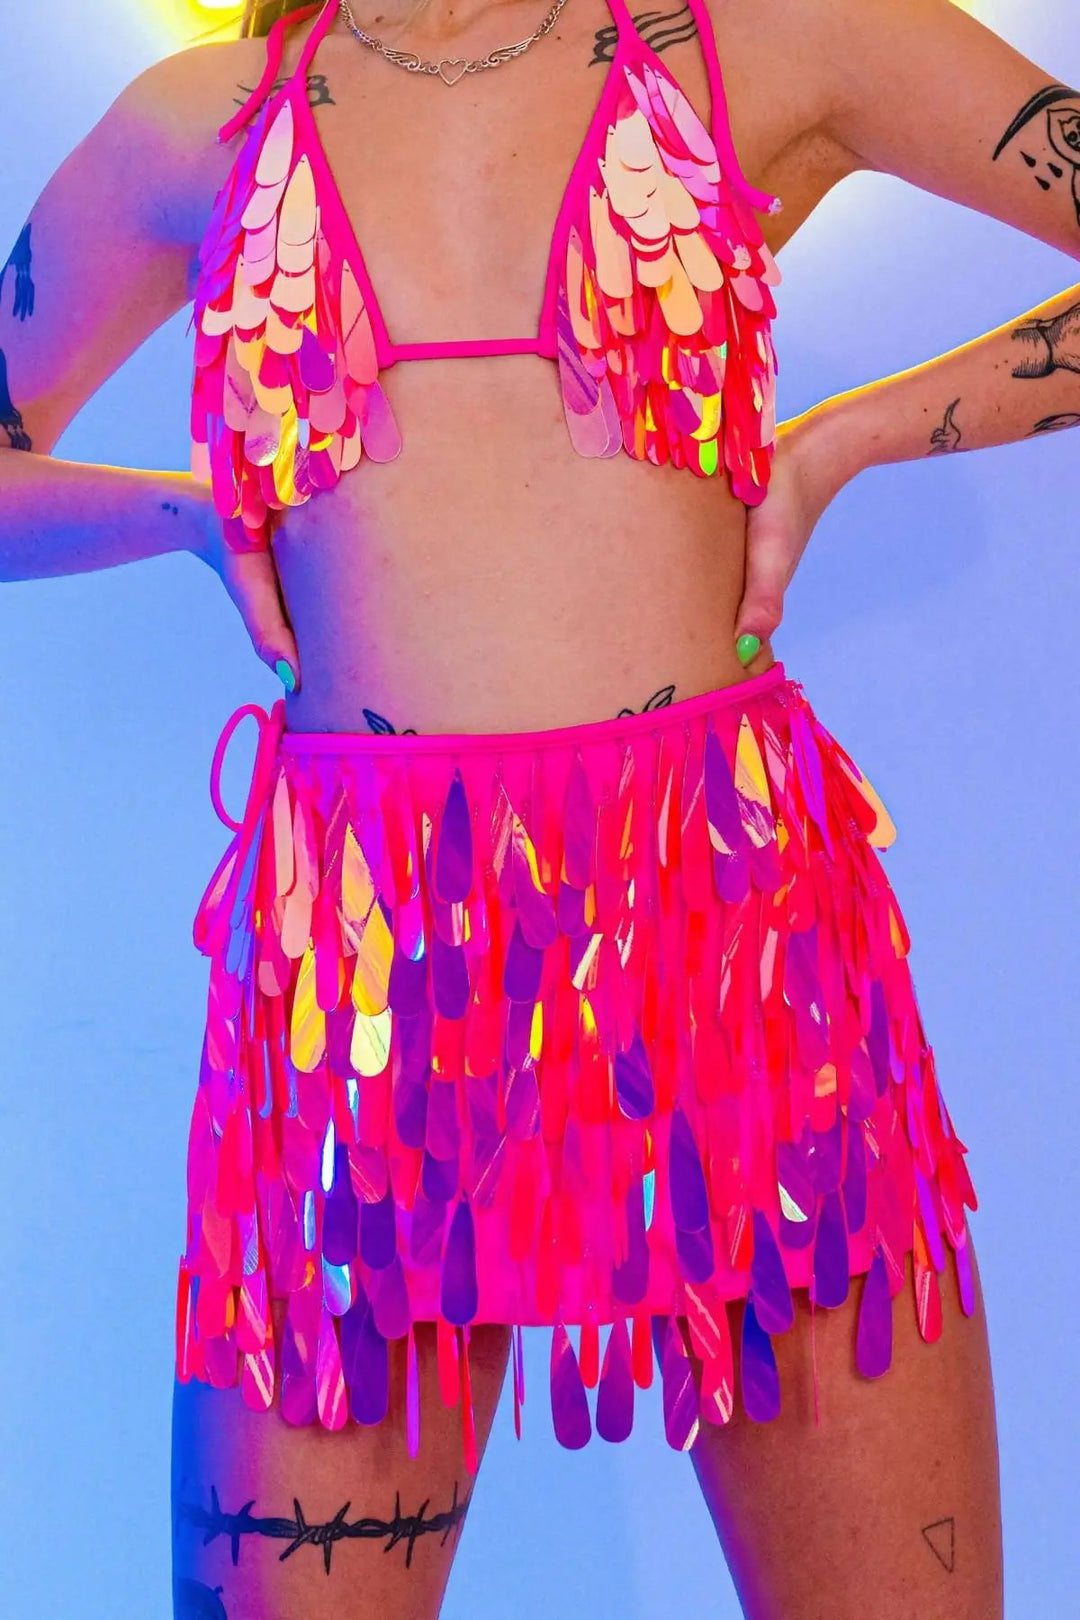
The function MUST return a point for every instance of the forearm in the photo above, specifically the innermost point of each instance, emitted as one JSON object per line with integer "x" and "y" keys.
{"x": 1020, "y": 381}
{"x": 71, "y": 517}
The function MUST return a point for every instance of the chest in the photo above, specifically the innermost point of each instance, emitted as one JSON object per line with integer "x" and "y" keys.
{"x": 453, "y": 193}
{"x": 457, "y": 213}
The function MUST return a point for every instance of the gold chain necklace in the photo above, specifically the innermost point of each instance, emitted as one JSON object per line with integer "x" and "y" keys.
{"x": 413, "y": 63}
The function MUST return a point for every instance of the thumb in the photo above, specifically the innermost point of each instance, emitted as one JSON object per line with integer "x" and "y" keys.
{"x": 252, "y": 582}
{"x": 762, "y": 606}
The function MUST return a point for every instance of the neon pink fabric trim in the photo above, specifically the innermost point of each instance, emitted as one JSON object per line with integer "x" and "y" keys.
{"x": 622, "y": 727}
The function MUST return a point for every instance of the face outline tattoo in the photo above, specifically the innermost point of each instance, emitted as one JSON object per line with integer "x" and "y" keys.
{"x": 1061, "y": 128}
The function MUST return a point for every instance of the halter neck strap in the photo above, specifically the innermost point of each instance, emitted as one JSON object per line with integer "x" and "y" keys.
{"x": 274, "y": 43}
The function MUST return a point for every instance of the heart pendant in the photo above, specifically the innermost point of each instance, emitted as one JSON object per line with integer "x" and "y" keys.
{"x": 460, "y": 62}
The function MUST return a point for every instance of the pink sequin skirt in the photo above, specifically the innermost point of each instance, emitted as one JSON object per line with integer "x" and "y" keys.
{"x": 595, "y": 1028}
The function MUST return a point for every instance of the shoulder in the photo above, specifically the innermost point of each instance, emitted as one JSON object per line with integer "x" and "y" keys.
{"x": 820, "y": 34}
{"x": 162, "y": 129}
{"x": 839, "y": 28}
{"x": 786, "y": 65}
{"x": 809, "y": 63}
{"x": 785, "y": 51}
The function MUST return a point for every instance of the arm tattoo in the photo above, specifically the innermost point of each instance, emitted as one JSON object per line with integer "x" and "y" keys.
{"x": 1049, "y": 345}
{"x": 317, "y": 88}
{"x": 946, "y": 437}
{"x": 10, "y": 419}
{"x": 1053, "y": 424}
{"x": 659, "y": 700}
{"x": 405, "y": 1527}
{"x": 19, "y": 260}
{"x": 1058, "y": 106}
{"x": 657, "y": 28}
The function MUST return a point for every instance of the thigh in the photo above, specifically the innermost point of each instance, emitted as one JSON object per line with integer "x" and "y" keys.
{"x": 277, "y": 1522}
{"x": 891, "y": 1507}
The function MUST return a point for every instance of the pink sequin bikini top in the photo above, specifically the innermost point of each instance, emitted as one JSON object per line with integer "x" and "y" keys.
{"x": 656, "y": 308}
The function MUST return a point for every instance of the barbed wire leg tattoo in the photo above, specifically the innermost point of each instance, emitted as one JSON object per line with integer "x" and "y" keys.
{"x": 298, "y": 1532}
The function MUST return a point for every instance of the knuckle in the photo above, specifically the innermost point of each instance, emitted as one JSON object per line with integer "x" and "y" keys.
{"x": 768, "y": 612}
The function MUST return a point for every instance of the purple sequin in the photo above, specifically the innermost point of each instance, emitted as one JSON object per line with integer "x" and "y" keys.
{"x": 339, "y": 1234}
{"x": 759, "y": 1378}
{"x": 689, "y": 1198}
{"x": 873, "y": 1340}
{"x": 390, "y": 1300}
{"x": 524, "y": 964}
{"x": 726, "y": 831}
{"x": 831, "y": 1270}
{"x": 439, "y": 1178}
{"x": 579, "y": 830}
{"x": 407, "y": 992}
{"x": 629, "y": 1279}
{"x": 453, "y": 861}
{"x": 768, "y": 1280}
{"x": 365, "y": 1362}
{"x": 680, "y": 1396}
{"x": 615, "y": 1392}
{"x": 378, "y": 1231}
{"x": 855, "y": 1182}
{"x": 569, "y": 1405}
{"x": 697, "y": 1259}
{"x": 459, "y": 1289}
{"x": 633, "y": 1080}
{"x": 449, "y": 978}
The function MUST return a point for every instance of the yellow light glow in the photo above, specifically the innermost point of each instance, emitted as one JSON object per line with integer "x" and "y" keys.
{"x": 193, "y": 21}
{"x": 224, "y": 15}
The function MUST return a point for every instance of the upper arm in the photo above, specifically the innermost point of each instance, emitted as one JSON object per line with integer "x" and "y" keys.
{"x": 103, "y": 260}
{"x": 926, "y": 92}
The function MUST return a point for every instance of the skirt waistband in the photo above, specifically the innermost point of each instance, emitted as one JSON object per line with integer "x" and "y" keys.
{"x": 274, "y": 738}
{"x": 621, "y": 727}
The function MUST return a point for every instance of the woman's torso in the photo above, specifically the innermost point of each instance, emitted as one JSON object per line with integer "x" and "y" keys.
{"x": 490, "y": 578}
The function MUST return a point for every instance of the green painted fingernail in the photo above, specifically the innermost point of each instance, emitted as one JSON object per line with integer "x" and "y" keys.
{"x": 746, "y": 648}
{"x": 284, "y": 672}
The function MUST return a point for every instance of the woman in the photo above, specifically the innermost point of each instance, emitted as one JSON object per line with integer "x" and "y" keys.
{"x": 553, "y": 974}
